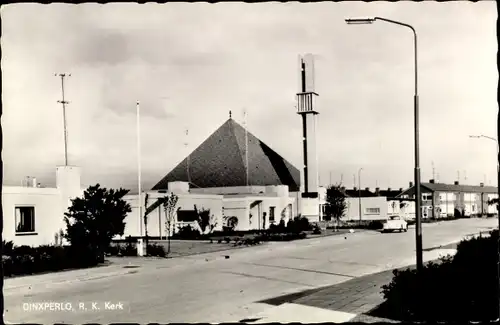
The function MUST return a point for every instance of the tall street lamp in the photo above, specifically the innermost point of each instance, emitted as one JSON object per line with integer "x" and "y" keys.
{"x": 418, "y": 197}
{"x": 359, "y": 193}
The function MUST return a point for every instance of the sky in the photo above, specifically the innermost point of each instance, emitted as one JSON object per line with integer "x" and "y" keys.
{"x": 190, "y": 64}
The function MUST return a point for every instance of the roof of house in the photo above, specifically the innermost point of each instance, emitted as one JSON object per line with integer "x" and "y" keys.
{"x": 440, "y": 187}
{"x": 389, "y": 193}
{"x": 220, "y": 162}
{"x": 359, "y": 193}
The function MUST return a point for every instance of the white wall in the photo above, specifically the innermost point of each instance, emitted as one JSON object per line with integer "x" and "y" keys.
{"x": 156, "y": 219}
{"x": 48, "y": 214}
{"x": 379, "y": 202}
{"x": 49, "y": 204}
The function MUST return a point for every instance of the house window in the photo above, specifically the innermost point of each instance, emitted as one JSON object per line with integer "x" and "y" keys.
{"x": 426, "y": 196}
{"x": 271, "y": 214}
{"x": 25, "y": 219}
{"x": 372, "y": 211}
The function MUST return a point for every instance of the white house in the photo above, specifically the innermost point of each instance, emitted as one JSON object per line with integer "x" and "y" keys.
{"x": 33, "y": 215}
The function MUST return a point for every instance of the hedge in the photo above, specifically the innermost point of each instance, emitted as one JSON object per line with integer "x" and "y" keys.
{"x": 462, "y": 287}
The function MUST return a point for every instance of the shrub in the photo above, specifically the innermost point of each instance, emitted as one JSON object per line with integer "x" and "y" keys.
{"x": 316, "y": 230}
{"x": 299, "y": 224}
{"x": 187, "y": 232}
{"x": 7, "y": 248}
{"x": 462, "y": 287}
{"x": 156, "y": 250}
{"x": 277, "y": 228}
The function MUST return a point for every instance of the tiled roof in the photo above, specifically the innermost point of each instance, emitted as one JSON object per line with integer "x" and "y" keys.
{"x": 391, "y": 193}
{"x": 220, "y": 162}
{"x": 460, "y": 188}
{"x": 440, "y": 187}
{"x": 356, "y": 193}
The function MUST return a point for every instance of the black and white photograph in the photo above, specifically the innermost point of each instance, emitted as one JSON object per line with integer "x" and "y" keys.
{"x": 233, "y": 162}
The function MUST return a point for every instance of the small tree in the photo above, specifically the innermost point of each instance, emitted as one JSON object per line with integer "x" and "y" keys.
{"x": 336, "y": 203}
{"x": 94, "y": 219}
{"x": 169, "y": 207}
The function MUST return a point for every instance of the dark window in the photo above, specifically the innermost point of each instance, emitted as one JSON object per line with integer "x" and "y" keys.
{"x": 25, "y": 219}
{"x": 271, "y": 214}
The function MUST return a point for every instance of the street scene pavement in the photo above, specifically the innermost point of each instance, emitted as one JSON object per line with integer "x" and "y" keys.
{"x": 334, "y": 279}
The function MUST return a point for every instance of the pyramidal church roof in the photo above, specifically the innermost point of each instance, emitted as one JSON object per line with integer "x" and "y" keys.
{"x": 220, "y": 162}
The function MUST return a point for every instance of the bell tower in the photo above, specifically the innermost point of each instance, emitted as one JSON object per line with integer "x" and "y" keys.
{"x": 306, "y": 107}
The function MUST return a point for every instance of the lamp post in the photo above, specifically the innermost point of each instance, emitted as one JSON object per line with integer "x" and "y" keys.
{"x": 139, "y": 183}
{"x": 359, "y": 193}
{"x": 498, "y": 212}
{"x": 418, "y": 197}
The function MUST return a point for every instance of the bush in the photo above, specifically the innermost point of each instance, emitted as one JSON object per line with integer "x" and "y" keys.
{"x": 187, "y": 232}
{"x": 31, "y": 260}
{"x": 316, "y": 230}
{"x": 274, "y": 229}
{"x": 7, "y": 248}
{"x": 156, "y": 250}
{"x": 462, "y": 287}
{"x": 299, "y": 224}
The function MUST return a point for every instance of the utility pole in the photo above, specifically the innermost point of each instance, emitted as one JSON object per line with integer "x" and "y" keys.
{"x": 64, "y": 102}
{"x": 341, "y": 178}
{"x": 433, "y": 172}
{"x": 330, "y": 178}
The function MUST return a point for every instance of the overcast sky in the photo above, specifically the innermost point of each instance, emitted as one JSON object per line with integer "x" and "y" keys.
{"x": 189, "y": 64}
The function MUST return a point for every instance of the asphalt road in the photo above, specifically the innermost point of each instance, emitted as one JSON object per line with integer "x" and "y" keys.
{"x": 212, "y": 288}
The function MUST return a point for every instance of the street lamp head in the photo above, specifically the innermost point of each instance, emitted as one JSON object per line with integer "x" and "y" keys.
{"x": 359, "y": 21}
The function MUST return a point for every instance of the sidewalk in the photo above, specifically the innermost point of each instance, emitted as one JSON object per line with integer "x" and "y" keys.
{"x": 349, "y": 301}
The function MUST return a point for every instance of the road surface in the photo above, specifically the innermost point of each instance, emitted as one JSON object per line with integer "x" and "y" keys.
{"x": 213, "y": 288}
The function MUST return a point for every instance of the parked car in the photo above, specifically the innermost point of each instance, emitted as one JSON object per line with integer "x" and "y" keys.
{"x": 395, "y": 223}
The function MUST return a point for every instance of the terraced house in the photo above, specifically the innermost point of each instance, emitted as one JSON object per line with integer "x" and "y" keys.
{"x": 441, "y": 200}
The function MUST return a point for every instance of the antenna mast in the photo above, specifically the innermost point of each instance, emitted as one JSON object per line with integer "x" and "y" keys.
{"x": 64, "y": 102}
{"x": 433, "y": 172}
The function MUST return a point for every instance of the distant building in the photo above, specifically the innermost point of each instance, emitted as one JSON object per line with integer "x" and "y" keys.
{"x": 441, "y": 200}
{"x": 376, "y": 205}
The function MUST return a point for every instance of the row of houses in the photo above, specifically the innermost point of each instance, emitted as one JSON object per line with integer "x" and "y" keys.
{"x": 439, "y": 200}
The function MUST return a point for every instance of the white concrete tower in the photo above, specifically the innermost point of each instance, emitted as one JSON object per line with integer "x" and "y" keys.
{"x": 306, "y": 100}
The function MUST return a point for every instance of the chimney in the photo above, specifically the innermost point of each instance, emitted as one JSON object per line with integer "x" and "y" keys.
{"x": 457, "y": 183}
{"x": 411, "y": 184}
{"x": 342, "y": 188}
{"x": 367, "y": 189}
{"x": 401, "y": 189}
{"x": 388, "y": 189}
{"x": 355, "y": 188}
{"x": 34, "y": 182}
{"x": 481, "y": 184}
{"x": 431, "y": 181}
{"x": 377, "y": 190}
